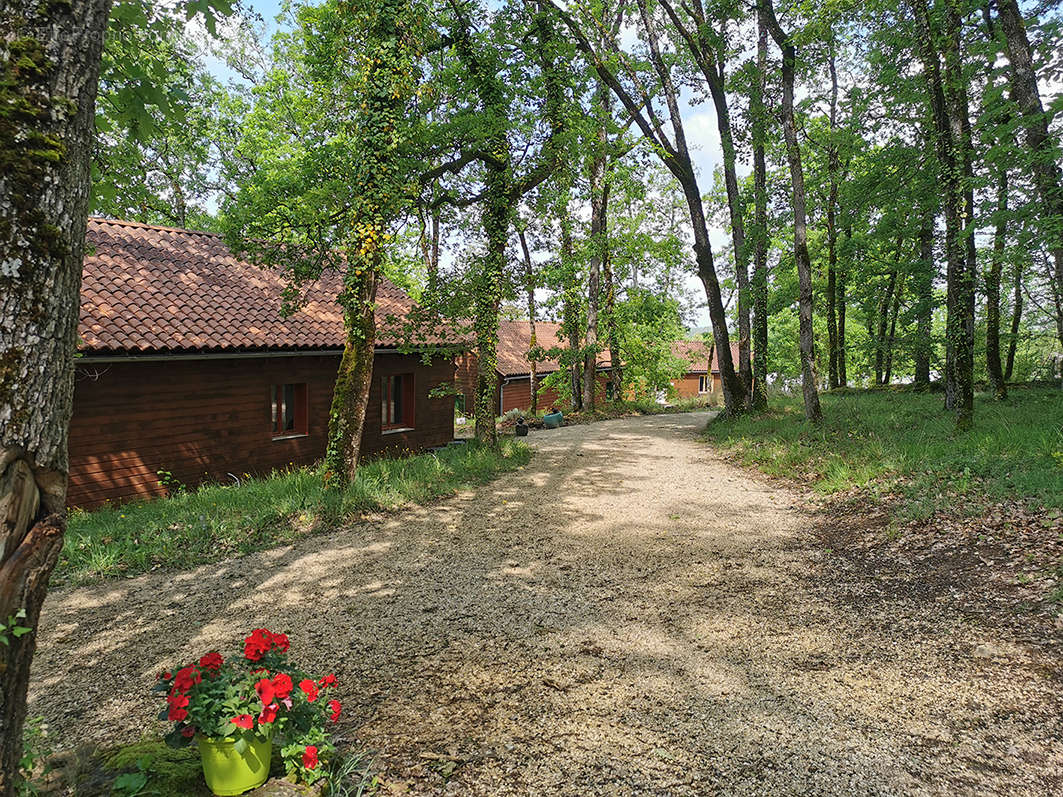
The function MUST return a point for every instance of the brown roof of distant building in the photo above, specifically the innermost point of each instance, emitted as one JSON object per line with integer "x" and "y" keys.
{"x": 160, "y": 289}
{"x": 514, "y": 343}
{"x": 696, "y": 352}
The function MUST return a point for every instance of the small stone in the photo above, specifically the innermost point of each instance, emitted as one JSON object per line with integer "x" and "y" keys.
{"x": 987, "y": 651}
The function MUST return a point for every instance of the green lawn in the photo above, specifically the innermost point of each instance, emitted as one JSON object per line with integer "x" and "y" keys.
{"x": 213, "y": 522}
{"x": 900, "y": 442}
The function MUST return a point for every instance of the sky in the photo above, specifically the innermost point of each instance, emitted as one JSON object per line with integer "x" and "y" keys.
{"x": 699, "y": 122}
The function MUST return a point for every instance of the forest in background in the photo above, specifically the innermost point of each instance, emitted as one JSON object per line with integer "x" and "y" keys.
{"x": 920, "y": 137}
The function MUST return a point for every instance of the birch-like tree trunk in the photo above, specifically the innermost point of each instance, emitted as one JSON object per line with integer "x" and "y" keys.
{"x": 759, "y": 280}
{"x": 50, "y": 62}
{"x": 797, "y": 187}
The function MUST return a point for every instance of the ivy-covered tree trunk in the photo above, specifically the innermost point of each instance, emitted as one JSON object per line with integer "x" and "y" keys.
{"x": 49, "y": 68}
{"x": 947, "y": 99}
{"x": 797, "y": 185}
{"x": 533, "y": 340}
{"x": 353, "y": 381}
{"x": 599, "y": 187}
{"x": 962, "y": 285}
{"x": 570, "y": 315}
{"x": 612, "y": 333}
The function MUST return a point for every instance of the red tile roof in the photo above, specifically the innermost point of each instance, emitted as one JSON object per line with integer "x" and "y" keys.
{"x": 696, "y": 352}
{"x": 514, "y": 342}
{"x": 160, "y": 289}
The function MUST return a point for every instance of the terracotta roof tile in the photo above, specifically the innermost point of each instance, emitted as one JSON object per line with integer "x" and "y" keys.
{"x": 147, "y": 288}
{"x": 514, "y": 342}
{"x": 696, "y": 352}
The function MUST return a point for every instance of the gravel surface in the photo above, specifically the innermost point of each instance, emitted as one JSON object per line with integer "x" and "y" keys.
{"x": 628, "y": 614}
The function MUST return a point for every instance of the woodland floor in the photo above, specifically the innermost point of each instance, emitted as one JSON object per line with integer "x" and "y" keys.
{"x": 628, "y": 614}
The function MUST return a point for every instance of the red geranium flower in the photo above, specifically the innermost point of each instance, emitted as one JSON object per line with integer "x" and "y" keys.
{"x": 282, "y": 686}
{"x": 188, "y": 731}
{"x": 328, "y": 680}
{"x": 186, "y": 678}
{"x": 243, "y": 721}
{"x": 334, "y": 707}
{"x": 257, "y": 644}
{"x": 310, "y": 757}
{"x": 280, "y": 641}
{"x": 177, "y": 712}
{"x": 310, "y": 688}
{"x": 212, "y": 661}
{"x": 268, "y": 715}
{"x": 165, "y": 675}
{"x": 265, "y": 691}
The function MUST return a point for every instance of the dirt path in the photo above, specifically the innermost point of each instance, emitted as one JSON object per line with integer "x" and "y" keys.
{"x": 627, "y": 615}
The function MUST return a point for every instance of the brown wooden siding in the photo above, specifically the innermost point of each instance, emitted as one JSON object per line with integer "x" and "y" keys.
{"x": 201, "y": 420}
{"x": 686, "y": 386}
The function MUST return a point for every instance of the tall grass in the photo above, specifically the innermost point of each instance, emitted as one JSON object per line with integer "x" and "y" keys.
{"x": 213, "y": 522}
{"x": 904, "y": 443}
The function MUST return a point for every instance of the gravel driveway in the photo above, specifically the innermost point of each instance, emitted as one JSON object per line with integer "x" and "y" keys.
{"x": 626, "y": 615}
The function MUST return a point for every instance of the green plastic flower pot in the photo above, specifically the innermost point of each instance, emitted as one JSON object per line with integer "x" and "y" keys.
{"x": 553, "y": 420}
{"x": 230, "y": 772}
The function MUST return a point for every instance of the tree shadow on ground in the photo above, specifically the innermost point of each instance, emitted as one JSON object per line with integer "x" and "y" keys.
{"x": 625, "y": 615}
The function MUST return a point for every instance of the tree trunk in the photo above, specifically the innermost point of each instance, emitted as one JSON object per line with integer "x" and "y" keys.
{"x": 924, "y": 298}
{"x": 888, "y": 376}
{"x": 948, "y": 101}
{"x": 50, "y": 62}
{"x": 599, "y": 208}
{"x": 884, "y": 305}
{"x": 833, "y": 168}
{"x": 841, "y": 301}
{"x": 353, "y": 381}
{"x": 487, "y": 303}
{"x": 992, "y": 290}
{"x": 797, "y": 180}
{"x": 759, "y": 283}
{"x": 1042, "y": 145}
{"x": 570, "y": 315}
{"x": 736, "y": 209}
{"x": 529, "y": 282}
{"x": 1016, "y": 320}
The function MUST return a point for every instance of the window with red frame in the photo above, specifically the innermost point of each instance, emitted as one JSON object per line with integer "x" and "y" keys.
{"x": 397, "y": 402}
{"x": 289, "y": 410}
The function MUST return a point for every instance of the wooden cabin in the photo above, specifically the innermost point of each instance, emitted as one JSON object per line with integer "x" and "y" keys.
{"x": 514, "y": 368}
{"x": 187, "y": 370}
{"x": 702, "y": 378}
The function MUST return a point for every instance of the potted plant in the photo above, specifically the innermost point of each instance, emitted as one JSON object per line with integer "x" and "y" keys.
{"x": 235, "y": 709}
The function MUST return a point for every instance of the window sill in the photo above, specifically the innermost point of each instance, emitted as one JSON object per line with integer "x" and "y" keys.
{"x": 290, "y": 436}
{"x": 397, "y": 430}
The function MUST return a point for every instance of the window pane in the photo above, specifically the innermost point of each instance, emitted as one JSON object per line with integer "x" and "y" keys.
{"x": 274, "y": 411}
{"x": 396, "y": 399}
{"x": 289, "y": 408}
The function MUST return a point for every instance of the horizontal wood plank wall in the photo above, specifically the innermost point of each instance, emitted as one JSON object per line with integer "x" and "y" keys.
{"x": 201, "y": 420}
{"x": 687, "y": 385}
{"x": 465, "y": 380}
{"x": 517, "y": 394}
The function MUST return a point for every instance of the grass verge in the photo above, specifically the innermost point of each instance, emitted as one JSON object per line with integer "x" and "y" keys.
{"x": 902, "y": 444}
{"x": 214, "y": 522}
